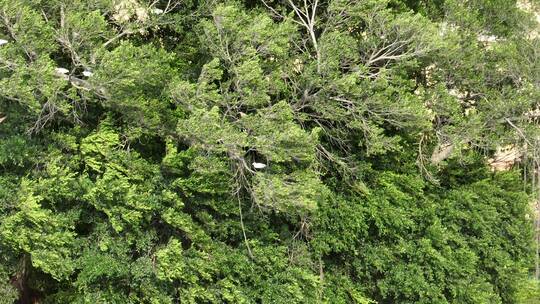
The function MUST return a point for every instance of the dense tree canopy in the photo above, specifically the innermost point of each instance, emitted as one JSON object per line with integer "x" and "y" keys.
{"x": 277, "y": 151}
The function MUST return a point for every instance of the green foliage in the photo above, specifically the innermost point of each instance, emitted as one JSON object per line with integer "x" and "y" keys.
{"x": 529, "y": 292}
{"x": 265, "y": 151}
{"x": 48, "y": 236}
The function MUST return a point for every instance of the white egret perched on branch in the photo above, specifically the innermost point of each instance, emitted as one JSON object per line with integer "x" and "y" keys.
{"x": 257, "y": 165}
{"x": 62, "y": 71}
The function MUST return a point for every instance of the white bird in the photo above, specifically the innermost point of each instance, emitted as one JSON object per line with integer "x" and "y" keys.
{"x": 157, "y": 11}
{"x": 487, "y": 38}
{"x": 61, "y": 71}
{"x": 2, "y": 41}
{"x": 87, "y": 73}
{"x": 258, "y": 165}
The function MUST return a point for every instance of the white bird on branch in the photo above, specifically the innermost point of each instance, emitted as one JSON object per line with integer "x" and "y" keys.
{"x": 257, "y": 165}
{"x": 62, "y": 71}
